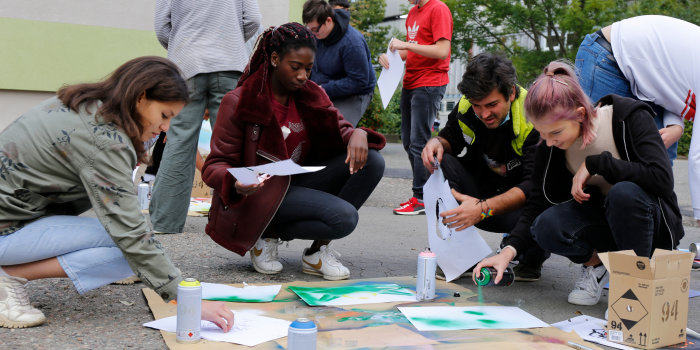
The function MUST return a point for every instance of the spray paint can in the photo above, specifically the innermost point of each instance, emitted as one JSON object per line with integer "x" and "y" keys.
{"x": 189, "y": 311}
{"x": 695, "y": 249}
{"x": 425, "y": 281}
{"x": 144, "y": 194}
{"x": 487, "y": 277}
{"x": 302, "y": 335}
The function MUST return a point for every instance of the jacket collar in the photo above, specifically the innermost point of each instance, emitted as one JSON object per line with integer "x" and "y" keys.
{"x": 256, "y": 94}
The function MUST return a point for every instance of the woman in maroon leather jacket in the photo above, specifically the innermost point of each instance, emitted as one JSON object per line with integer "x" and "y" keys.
{"x": 274, "y": 114}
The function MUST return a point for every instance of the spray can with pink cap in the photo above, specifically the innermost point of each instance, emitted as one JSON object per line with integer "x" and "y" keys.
{"x": 425, "y": 281}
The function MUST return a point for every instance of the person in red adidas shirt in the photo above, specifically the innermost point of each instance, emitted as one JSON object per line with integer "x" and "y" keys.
{"x": 427, "y": 55}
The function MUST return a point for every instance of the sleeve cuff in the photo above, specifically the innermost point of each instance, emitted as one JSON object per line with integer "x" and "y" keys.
{"x": 515, "y": 251}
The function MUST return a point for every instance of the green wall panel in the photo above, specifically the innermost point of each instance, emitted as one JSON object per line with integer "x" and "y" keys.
{"x": 43, "y": 56}
{"x": 295, "y": 9}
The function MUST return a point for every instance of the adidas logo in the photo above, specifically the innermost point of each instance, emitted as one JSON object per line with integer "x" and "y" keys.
{"x": 413, "y": 31}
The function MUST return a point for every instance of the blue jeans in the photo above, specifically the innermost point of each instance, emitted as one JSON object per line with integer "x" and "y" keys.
{"x": 599, "y": 75}
{"x": 323, "y": 205}
{"x": 173, "y": 185}
{"x": 84, "y": 249}
{"x": 627, "y": 218}
{"x": 419, "y": 107}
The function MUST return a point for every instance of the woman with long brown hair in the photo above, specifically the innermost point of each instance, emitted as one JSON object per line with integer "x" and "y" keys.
{"x": 74, "y": 152}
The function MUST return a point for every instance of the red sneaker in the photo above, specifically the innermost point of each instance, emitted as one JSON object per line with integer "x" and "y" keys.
{"x": 412, "y": 207}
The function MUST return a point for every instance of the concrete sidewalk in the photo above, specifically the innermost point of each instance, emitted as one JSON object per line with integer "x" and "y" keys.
{"x": 382, "y": 245}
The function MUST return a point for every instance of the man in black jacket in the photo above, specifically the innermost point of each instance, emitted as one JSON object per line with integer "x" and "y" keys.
{"x": 486, "y": 152}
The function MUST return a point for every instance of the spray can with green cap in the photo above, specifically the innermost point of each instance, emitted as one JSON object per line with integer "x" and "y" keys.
{"x": 487, "y": 277}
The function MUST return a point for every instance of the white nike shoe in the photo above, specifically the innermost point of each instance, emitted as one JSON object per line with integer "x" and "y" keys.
{"x": 264, "y": 256}
{"x": 589, "y": 286}
{"x": 324, "y": 263}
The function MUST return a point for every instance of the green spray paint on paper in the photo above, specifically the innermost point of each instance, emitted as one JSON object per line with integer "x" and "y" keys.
{"x": 235, "y": 299}
{"x": 448, "y": 323}
{"x": 316, "y": 296}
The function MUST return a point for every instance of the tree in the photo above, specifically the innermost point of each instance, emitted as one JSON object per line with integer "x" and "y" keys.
{"x": 530, "y": 32}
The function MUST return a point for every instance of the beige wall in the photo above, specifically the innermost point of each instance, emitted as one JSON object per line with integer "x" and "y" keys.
{"x": 123, "y": 14}
{"x": 14, "y": 103}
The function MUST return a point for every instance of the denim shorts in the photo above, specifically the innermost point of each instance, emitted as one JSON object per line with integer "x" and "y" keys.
{"x": 598, "y": 72}
{"x": 599, "y": 75}
{"x": 84, "y": 249}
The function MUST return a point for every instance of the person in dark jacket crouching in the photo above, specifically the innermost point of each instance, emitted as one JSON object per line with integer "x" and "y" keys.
{"x": 274, "y": 114}
{"x": 603, "y": 182}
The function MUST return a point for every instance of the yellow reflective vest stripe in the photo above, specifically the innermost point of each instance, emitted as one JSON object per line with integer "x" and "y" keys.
{"x": 521, "y": 127}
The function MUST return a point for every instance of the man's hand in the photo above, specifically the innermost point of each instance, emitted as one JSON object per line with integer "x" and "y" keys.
{"x": 671, "y": 134}
{"x": 357, "y": 150}
{"x": 468, "y": 213}
{"x": 219, "y": 313}
{"x": 579, "y": 182}
{"x": 383, "y": 61}
{"x": 397, "y": 44}
{"x": 433, "y": 150}
{"x": 499, "y": 262}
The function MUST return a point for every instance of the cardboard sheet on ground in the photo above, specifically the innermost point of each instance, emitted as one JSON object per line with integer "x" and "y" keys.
{"x": 373, "y": 326}
{"x": 589, "y": 328}
{"x": 245, "y": 294}
{"x": 252, "y": 175}
{"x": 354, "y": 295}
{"x": 456, "y": 251}
{"x": 390, "y": 78}
{"x": 248, "y": 329}
{"x": 446, "y": 318}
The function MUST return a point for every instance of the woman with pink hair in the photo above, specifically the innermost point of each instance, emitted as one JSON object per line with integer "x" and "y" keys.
{"x": 603, "y": 182}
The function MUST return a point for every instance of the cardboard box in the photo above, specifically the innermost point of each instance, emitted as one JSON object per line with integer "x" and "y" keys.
{"x": 648, "y": 299}
{"x": 199, "y": 188}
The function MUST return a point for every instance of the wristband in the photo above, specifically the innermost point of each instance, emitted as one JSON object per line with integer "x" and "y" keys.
{"x": 485, "y": 213}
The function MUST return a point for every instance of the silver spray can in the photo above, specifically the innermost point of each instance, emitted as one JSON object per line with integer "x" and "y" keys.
{"x": 144, "y": 193}
{"x": 695, "y": 249}
{"x": 302, "y": 335}
{"x": 425, "y": 281}
{"x": 189, "y": 311}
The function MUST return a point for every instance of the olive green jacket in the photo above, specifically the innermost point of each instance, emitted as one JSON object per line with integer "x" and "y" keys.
{"x": 54, "y": 161}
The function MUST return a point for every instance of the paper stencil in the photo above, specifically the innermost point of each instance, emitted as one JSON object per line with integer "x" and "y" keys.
{"x": 354, "y": 295}
{"x": 456, "y": 251}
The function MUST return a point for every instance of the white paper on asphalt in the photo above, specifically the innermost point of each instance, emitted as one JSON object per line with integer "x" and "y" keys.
{"x": 249, "y": 329}
{"x": 456, "y": 251}
{"x": 390, "y": 78}
{"x": 590, "y": 329}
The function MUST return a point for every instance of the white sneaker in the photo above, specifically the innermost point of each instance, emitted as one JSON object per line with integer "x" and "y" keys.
{"x": 324, "y": 263}
{"x": 589, "y": 285}
{"x": 15, "y": 310}
{"x": 264, "y": 256}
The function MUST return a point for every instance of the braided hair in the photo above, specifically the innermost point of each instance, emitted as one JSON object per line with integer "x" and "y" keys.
{"x": 280, "y": 39}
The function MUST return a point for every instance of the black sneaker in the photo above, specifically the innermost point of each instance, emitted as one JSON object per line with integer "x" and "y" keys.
{"x": 527, "y": 273}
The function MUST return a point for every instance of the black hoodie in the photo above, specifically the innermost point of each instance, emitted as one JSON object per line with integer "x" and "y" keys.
{"x": 643, "y": 160}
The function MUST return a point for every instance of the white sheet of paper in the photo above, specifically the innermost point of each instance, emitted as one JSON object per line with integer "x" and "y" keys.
{"x": 390, "y": 78}
{"x": 446, "y": 318}
{"x": 248, "y": 329}
{"x": 250, "y": 175}
{"x": 590, "y": 329}
{"x": 456, "y": 251}
{"x": 251, "y": 294}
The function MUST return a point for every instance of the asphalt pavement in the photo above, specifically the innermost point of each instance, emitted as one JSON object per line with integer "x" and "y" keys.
{"x": 382, "y": 245}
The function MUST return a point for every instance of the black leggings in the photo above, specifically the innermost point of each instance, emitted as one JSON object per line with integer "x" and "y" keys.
{"x": 323, "y": 205}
